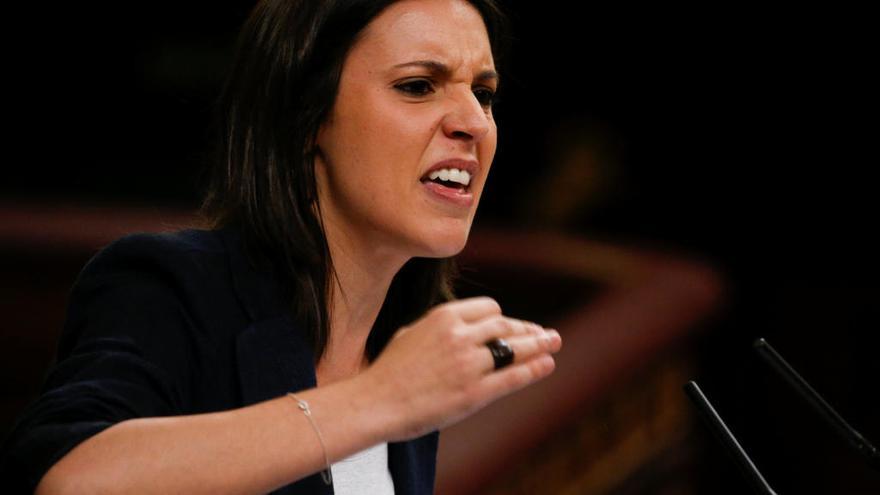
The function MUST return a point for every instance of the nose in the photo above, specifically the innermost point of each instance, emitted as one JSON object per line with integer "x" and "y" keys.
{"x": 466, "y": 119}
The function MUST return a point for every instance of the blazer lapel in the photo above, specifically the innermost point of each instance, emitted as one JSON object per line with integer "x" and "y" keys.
{"x": 273, "y": 359}
{"x": 272, "y": 353}
{"x": 412, "y": 464}
{"x": 274, "y": 356}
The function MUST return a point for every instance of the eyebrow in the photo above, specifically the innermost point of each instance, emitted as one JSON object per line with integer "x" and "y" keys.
{"x": 443, "y": 70}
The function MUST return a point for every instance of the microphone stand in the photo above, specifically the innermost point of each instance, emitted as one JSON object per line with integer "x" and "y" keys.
{"x": 725, "y": 436}
{"x": 852, "y": 437}
{"x": 859, "y": 443}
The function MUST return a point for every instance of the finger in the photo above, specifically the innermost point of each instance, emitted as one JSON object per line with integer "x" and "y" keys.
{"x": 529, "y": 346}
{"x": 516, "y": 376}
{"x": 499, "y": 326}
{"x": 526, "y": 347}
{"x": 475, "y": 308}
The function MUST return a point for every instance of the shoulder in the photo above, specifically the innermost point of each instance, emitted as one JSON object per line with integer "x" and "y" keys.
{"x": 159, "y": 247}
{"x": 190, "y": 261}
{"x": 142, "y": 278}
{"x": 179, "y": 257}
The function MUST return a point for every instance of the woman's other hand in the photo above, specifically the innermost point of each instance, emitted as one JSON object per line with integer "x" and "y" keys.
{"x": 438, "y": 370}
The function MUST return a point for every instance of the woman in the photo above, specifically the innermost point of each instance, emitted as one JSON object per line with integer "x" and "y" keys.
{"x": 326, "y": 275}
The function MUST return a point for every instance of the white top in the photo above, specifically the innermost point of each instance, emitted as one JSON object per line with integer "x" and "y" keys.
{"x": 365, "y": 472}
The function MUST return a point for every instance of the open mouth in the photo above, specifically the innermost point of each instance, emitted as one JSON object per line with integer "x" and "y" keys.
{"x": 457, "y": 186}
{"x": 453, "y": 179}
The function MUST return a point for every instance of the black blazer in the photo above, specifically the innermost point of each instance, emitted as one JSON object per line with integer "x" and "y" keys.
{"x": 172, "y": 324}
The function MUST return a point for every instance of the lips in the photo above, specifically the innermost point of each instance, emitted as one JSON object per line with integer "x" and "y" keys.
{"x": 448, "y": 195}
{"x": 459, "y": 197}
{"x": 472, "y": 167}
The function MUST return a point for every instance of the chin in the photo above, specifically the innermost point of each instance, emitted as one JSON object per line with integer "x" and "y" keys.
{"x": 445, "y": 244}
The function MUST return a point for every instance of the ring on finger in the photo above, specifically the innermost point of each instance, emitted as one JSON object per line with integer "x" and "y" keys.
{"x": 502, "y": 353}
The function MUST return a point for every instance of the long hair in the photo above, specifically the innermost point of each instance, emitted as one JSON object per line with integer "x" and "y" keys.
{"x": 280, "y": 88}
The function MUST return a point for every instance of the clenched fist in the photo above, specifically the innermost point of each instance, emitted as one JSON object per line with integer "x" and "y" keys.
{"x": 438, "y": 370}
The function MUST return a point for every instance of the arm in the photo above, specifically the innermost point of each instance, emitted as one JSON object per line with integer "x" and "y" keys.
{"x": 432, "y": 374}
{"x": 254, "y": 449}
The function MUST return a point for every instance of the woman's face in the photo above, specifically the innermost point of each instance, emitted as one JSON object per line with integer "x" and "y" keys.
{"x": 415, "y": 91}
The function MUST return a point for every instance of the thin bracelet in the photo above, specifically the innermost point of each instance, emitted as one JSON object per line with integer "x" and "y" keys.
{"x": 304, "y": 406}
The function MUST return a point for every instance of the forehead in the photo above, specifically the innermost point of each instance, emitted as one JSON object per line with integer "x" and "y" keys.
{"x": 450, "y": 31}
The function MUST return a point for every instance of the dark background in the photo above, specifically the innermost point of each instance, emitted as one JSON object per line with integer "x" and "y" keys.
{"x": 741, "y": 136}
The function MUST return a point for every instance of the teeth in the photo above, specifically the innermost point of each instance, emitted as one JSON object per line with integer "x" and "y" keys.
{"x": 452, "y": 175}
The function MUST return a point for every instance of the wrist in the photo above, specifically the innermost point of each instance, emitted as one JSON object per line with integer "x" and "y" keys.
{"x": 376, "y": 408}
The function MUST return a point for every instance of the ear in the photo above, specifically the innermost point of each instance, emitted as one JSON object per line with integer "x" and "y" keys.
{"x": 313, "y": 151}
{"x": 314, "y": 143}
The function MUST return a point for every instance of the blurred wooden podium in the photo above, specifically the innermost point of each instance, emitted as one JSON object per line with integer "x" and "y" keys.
{"x": 611, "y": 419}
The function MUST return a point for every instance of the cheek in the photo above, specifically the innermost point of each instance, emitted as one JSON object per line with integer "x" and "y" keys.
{"x": 489, "y": 145}
{"x": 385, "y": 158}
{"x": 399, "y": 144}
{"x": 486, "y": 152}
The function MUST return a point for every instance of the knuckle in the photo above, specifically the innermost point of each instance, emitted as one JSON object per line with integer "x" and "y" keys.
{"x": 505, "y": 322}
{"x": 440, "y": 310}
{"x": 523, "y": 349}
{"x": 448, "y": 339}
{"x": 444, "y": 316}
{"x": 517, "y": 327}
{"x": 509, "y": 324}
{"x": 493, "y": 323}
{"x": 457, "y": 334}
{"x": 494, "y": 304}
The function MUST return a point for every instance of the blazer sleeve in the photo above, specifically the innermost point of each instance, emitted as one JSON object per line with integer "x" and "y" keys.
{"x": 125, "y": 352}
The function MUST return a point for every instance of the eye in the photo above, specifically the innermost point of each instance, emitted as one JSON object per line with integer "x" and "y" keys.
{"x": 485, "y": 96}
{"x": 416, "y": 87}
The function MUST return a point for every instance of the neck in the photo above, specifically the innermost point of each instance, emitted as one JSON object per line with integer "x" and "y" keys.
{"x": 363, "y": 277}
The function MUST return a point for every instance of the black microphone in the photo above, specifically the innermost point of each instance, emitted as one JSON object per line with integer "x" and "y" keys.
{"x": 725, "y": 436}
{"x": 855, "y": 439}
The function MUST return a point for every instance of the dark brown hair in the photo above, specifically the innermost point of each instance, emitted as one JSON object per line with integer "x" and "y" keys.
{"x": 281, "y": 86}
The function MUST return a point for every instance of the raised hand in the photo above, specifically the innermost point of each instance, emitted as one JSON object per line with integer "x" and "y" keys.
{"x": 438, "y": 370}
